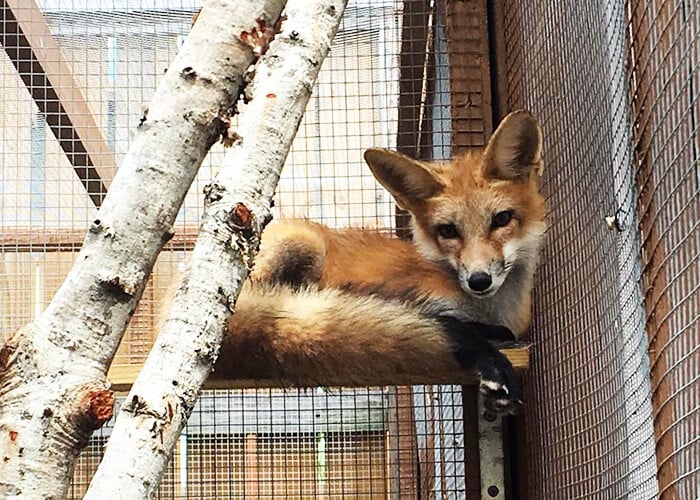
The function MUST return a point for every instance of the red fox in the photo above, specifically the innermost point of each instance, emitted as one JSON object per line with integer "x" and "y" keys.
{"x": 320, "y": 298}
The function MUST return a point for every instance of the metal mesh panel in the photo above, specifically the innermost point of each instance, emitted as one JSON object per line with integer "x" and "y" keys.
{"x": 589, "y": 433}
{"x": 67, "y": 115}
{"x": 325, "y": 443}
{"x": 665, "y": 85}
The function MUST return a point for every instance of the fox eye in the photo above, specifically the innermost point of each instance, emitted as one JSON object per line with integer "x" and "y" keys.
{"x": 501, "y": 219}
{"x": 447, "y": 231}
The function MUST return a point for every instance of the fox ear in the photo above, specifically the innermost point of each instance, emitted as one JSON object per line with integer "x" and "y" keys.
{"x": 515, "y": 149}
{"x": 410, "y": 181}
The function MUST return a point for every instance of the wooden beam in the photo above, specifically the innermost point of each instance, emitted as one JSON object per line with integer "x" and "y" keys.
{"x": 470, "y": 74}
{"x": 26, "y": 239}
{"x": 413, "y": 139}
{"x": 415, "y": 80}
{"x": 498, "y": 59}
{"x": 30, "y": 45}
{"x": 469, "y": 54}
{"x": 122, "y": 376}
{"x": 472, "y": 459}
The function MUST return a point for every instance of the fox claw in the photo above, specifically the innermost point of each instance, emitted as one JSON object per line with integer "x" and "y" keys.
{"x": 500, "y": 392}
{"x": 499, "y": 385}
{"x": 499, "y": 403}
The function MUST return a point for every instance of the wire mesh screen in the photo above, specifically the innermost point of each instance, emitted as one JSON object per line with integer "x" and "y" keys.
{"x": 315, "y": 443}
{"x": 610, "y": 128}
{"x": 75, "y": 78}
{"x": 665, "y": 84}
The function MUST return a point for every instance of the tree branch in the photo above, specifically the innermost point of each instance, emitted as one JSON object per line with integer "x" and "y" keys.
{"x": 237, "y": 207}
{"x": 53, "y": 391}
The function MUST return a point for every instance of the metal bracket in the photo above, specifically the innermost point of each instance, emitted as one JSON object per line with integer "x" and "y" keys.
{"x": 491, "y": 454}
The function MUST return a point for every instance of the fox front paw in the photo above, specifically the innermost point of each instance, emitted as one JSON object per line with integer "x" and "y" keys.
{"x": 472, "y": 350}
{"x": 500, "y": 390}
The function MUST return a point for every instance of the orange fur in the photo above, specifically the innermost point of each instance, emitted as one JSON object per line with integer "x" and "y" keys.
{"x": 465, "y": 193}
{"x": 353, "y": 256}
{"x": 330, "y": 337}
{"x": 409, "y": 307}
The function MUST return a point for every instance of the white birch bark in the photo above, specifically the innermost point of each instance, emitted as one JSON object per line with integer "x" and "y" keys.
{"x": 237, "y": 208}
{"x": 53, "y": 390}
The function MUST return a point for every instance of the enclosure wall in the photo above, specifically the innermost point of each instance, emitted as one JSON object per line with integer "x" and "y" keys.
{"x": 613, "y": 391}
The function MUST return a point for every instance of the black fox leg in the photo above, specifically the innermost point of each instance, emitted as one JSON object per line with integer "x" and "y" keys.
{"x": 498, "y": 383}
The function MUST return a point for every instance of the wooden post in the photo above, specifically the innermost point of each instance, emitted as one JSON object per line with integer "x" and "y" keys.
{"x": 472, "y": 125}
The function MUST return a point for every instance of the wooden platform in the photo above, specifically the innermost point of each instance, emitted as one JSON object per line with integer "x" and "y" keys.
{"x": 122, "y": 376}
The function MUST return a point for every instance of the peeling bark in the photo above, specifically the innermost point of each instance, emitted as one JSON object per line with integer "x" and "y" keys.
{"x": 237, "y": 207}
{"x": 53, "y": 390}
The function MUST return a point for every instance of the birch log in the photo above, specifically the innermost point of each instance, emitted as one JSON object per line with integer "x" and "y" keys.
{"x": 53, "y": 390}
{"x": 237, "y": 207}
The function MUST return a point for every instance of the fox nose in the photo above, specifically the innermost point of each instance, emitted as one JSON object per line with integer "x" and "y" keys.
{"x": 479, "y": 281}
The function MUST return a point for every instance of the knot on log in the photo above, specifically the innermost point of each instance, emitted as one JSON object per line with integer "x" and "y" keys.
{"x": 241, "y": 218}
{"x": 213, "y": 192}
{"x": 159, "y": 418}
{"x": 118, "y": 286}
{"x": 259, "y": 36}
{"x": 97, "y": 407}
{"x": 9, "y": 350}
{"x": 98, "y": 226}
{"x": 188, "y": 73}
{"x": 6, "y": 355}
{"x": 230, "y": 137}
{"x": 225, "y": 129}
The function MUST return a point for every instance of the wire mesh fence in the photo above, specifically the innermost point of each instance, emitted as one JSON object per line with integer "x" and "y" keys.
{"x": 315, "y": 443}
{"x": 615, "y": 84}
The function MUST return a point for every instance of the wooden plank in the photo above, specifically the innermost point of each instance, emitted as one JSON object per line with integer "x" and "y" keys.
{"x": 26, "y": 239}
{"x": 428, "y": 421}
{"x": 468, "y": 53}
{"x": 472, "y": 460}
{"x": 30, "y": 45}
{"x": 498, "y": 59}
{"x": 122, "y": 376}
{"x": 415, "y": 81}
{"x": 413, "y": 139}
{"x": 405, "y": 440}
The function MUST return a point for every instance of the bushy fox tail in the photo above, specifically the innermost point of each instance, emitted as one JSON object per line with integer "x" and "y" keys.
{"x": 338, "y": 337}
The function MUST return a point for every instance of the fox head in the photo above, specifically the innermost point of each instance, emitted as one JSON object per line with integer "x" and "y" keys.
{"x": 482, "y": 213}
